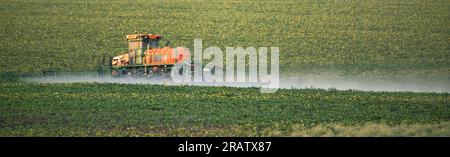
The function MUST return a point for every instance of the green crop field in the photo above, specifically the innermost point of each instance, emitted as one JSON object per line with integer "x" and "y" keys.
{"x": 153, "y": 110}
{"x": 382, "y": 38}
{"x": 399, "y": 35}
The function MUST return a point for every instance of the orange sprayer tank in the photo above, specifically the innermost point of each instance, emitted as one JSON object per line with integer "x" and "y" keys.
{"x": 165, "y": 56}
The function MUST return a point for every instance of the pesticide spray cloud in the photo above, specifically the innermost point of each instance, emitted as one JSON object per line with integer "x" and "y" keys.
{"x": 322, "y": 81}
{"x": 257, "y": 76}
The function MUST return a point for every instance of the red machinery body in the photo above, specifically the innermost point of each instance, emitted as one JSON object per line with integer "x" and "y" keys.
{"x": 145, "y": 57}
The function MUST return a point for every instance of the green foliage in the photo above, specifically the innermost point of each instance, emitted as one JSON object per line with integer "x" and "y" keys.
{"x": 153, "y": 110}
{"x": 357, "y": 37}
{"x": 9, "y": 77}
{"x": 74, "y": 35}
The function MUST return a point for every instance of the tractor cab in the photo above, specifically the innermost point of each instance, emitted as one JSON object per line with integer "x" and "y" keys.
{"x": 139, "y": 43}
{"x": 136, "y": 41}
{"x": 154, "y": 43}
